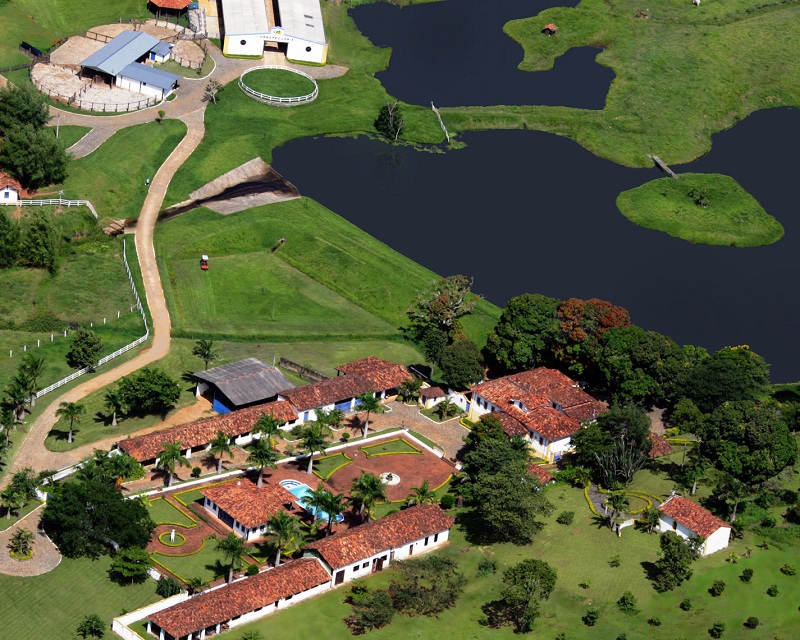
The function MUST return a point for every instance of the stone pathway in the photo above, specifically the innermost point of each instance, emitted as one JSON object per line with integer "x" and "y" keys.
{"x": 45, "y": 554}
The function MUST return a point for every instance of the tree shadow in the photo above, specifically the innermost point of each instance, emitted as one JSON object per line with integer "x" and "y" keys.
{"x": 102, "y": 418}
{"x": 650, "y": 570}
{"x": 474, "y": 531}
{"x": 600, "y": 522}
{"x": 61, "y": 435}
{"x": 218, "y": 569}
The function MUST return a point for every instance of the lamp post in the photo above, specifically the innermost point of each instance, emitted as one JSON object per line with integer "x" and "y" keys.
{"x": 58, "y": 123}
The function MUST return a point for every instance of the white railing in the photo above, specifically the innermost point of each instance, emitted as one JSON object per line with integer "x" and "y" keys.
{"x": 58, "y": 201}
{"x": 263, "y": 97}
{"x": 118, "y": 352}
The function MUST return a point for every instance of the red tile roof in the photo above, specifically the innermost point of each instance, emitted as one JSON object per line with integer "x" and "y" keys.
{"x": 692, "y": 516}
{"x": 171, "y": 4}
{"x": 659, "y": 446}
{"x": 200, "y": 433}
{"x": 392, "y": 531}
{"x": 540, "y": 473}
{"x": 432, "y": 392}
{"x": 7, "y": 181}
{"x": 320, "y": 394}
{"x": 381, "y": 374}
{"x": 248, "y": 504}
{"x": 239, "y": 598}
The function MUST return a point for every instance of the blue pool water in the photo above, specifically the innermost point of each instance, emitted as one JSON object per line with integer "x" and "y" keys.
{"x": 299, "y": 491}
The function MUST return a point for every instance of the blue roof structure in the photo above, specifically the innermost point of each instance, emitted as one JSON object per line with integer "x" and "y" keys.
{"x": 152, "y": 77}
{"x": 162, "y": 49}
{"x": 123, "y": 50}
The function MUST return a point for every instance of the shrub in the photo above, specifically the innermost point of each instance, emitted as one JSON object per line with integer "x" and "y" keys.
{"x": 717, "y": 629}
{"x": 615, "y": 561}
{"x": 717, "y": 588}
{"x": 591, "y": 616}
{"x": 487, "y": 566}
{"x": 655, "y": 621}
{"x": 565, "y": 517}
{"x": 768, "y": 522}
{"x": 789, "y": 497}
{"x": 788, "y": 570}
{"x": 772, "y": 591}
{"x": 448, "y": 501}
{"x": 792, "y": 514}
{"x": 686, "y": 604}
{"x": 585, "y": 584}
{"x": 747, "y": 575}
{"x": 167, "y": 587}
{"x": 752, "y": 622}
{"x": 622, "y": 636}
{"x": 252, "y": 635}
{"x": 196, "y": 471}
{"x": 252, "y": 569}
{"x": 346, "y": 436}
{"x": 627, "y": 603}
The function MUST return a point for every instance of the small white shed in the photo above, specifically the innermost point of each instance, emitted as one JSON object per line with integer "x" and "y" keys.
{"x": 687, "y": 519}
{"x": 8, "y": 194}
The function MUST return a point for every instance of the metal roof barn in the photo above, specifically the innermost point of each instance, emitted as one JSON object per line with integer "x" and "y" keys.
{"x": 126, "y": 48}
{"x": 241, "y": 384}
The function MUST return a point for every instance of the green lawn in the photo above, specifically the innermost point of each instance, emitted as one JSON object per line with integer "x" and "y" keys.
{"x": 732, "y": 216}
{"x": 206, "y": 564}
{"x": 113, "y": 177}
{"x": 326, "y": 466}
{"x": 69, "y": 134}
{"x": 278, "y": 83}
{"x": 395, "y": 446}
{"x": 16, "y": 516}
{"x": 319, "y": 244}
{"x": 187, "y": 72}
{"x": 681, "y": 75}
{"x": 162, "y": 512}
{"x": 189, "y": 497}
{"x": 51, "y": 606}
{"x": 580, "y": 552}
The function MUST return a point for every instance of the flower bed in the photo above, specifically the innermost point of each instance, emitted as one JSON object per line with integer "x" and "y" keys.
{"x": 395, "y": 446}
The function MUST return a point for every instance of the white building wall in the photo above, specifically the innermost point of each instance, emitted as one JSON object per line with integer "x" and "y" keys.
{"x": 202, "y": 387}
{"x": 8, "y": 194}
{"x": 281, "y": 604}
{"x": 248, "y": 44}
{"x": 715, "y": 542}
{"x": 139, "y": 87}
{"x": 305, "y": 51}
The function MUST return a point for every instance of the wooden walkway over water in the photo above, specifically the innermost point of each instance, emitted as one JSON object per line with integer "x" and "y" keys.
{"x": 663, "y": 166}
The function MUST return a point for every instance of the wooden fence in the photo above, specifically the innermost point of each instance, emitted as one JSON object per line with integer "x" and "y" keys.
{"x": 53, "y": 201}
{"x": 303, "y": 372}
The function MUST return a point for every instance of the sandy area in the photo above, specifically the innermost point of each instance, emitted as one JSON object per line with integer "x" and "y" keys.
{"x": 60, "y": 80}
{"x": 75, "y": 50}
{"x": 114, "y": 30}
{"x": 189, "y": 51}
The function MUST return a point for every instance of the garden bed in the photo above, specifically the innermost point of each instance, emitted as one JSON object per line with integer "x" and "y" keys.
{"x": 395, "y": 446}
{"x": 326, "y": 466}
{"x": 162, "y": 512}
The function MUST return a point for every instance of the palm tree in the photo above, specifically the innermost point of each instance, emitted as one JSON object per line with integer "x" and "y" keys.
{"x": 232, "y": 548}
{"x": 21, "y": 542}
{"x": 12, "y": 500}
{"x": 193, "y": 585}
{"x": 204, "y": 349}
{"x": 333, "y": 505}
{"x": 8, "y": 422}
{"x": 72, "y": 411}
{"x": 18, "y": 393}
{"x": 314, "y": 501}
{"x": 261, "y": 456}
{"x": 421, "y": 495}
{"x": 650, "y": 519}
{"x": 365, "y": 491}
{"x": 369, "y": 403}
{"x": 409, "y": 389}
{"x": 313, "y": 440}
{"x": 114, "y": 402}
{"x": 170, "y": 456}
{"x": 31, "y": 368}
{"x": 219, "y": 445}
{"x": 733, "y": 491}
{"x": 581, "y": 477}
{"x": 286, "y": 530}
{"x": 618, "y": 502}
{"x": 335, "y": 418}
{"x": 122, "y": 466}
{"x": 268, "y": 426}
{"x": 445, "y": 408}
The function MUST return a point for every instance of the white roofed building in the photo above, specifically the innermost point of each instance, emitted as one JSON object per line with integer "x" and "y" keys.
{"x": 298, "y": 24}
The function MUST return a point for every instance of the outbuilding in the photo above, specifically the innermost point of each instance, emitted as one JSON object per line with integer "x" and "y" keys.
{"x": 240, "y": 384}
{"x": 9, "y": 189}
{"x": 688, "y": 519}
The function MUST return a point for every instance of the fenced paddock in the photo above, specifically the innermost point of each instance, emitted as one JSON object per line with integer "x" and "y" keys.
{"x": 279, "y": 101}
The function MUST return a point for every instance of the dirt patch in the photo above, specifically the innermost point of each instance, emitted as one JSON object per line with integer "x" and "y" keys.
{"x": 114, "y": 30}
{"x": 190, "y": 51}
{"x": 75, "y": 50}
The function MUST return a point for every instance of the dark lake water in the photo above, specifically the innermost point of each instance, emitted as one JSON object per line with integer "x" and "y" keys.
{"x": 525, "y": 211}
{"x": 455, "y": 53}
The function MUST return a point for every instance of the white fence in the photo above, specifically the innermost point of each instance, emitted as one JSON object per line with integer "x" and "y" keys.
{"x": 279, "y": 100}
{"x": 58, "y": 201}
{"x": 120, "y": 623}
{"x": 118, "y": 352}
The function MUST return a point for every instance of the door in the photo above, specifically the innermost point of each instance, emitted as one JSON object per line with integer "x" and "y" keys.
{"x": 339, "y": 577}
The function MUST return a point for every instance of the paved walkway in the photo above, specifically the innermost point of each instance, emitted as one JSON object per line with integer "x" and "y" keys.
{"x": 45, "y": 554}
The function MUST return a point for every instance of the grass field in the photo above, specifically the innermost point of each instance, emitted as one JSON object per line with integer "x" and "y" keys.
{"x": 206, "y": 564}
{"x": 51, "y": 606}
{"x": 732, "y": 218}
{"x": 319, "y": 245}
{"x": 682, "y": 74}
{"x": 580, "y": 553}
{"x": 326, "y": 466}
{"x": 70, "y": 134}
{"x": 162, "y": 512}
{"x": 278, "y": 83}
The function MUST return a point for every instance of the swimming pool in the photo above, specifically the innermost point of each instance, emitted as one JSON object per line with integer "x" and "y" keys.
{"x": 299, "y": 490}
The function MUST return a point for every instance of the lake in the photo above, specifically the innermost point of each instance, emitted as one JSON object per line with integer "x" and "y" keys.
{"x": 525, "y": 211}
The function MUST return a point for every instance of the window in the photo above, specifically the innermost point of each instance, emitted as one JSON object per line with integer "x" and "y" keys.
{"x": 355, "y": 568}
{"x": 5, "y": 194}
{"x": 365, "y": 565}
{"x": 436, "y": 538}
{"x": 674, "y": 525}
{"x": 426, "y": 541}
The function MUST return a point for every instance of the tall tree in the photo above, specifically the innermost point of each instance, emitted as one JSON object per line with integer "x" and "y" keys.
{"x": 675, "y": 564}
{"x": 204, "y": 349}
{"x": 461, "y": 363}
{"x": 10, "y": 238}
{"x": 220, "y": 445}
{"x": 71, "y": 411}
{"x": 34, "y": 157}
{"x": 732, "y": 492}
{"x": 22, "y": 105}
{"x": 150, "y": 390}
{"x": 168, "y": 458}
{"x": 92, "y": 626}
{"x": 527, "y": 585}
{"x": 443, "y": 304}
{"x": 268, "y": 427}
{"x": 334, "y": 504}
{"x": 261, "y": 456}
{"x": 426, "y": 586}
{"x": 114, "y": 403}
{"x": 316, "y": 499}
{"x": 85, "y": 349}
{"x": 370, "y": 404}
{"x": 365, "y": 491}
{"x": 286, "y": 531}
{"x": 32, "y": 367}
{"x": 232, "y": 548}
{"x": 90, "y": 518}
{"x": 40, "y": 242}
{"x": 121, "y": 466}
{"x": 619, "y": 503}
{"x": 421, "y": 495}
{"x": 389, "y": 122}
{"x": 526, "y": 334}
{"x": 313, "y": 440}
{"x": 409, "y": 389}
{"x": 131, "y": 566}
{"x": 12, "y": 500}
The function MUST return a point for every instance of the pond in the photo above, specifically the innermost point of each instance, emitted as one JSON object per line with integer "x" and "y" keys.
{"x": 524, "y": 211}
{"x": 455, "y": 53}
